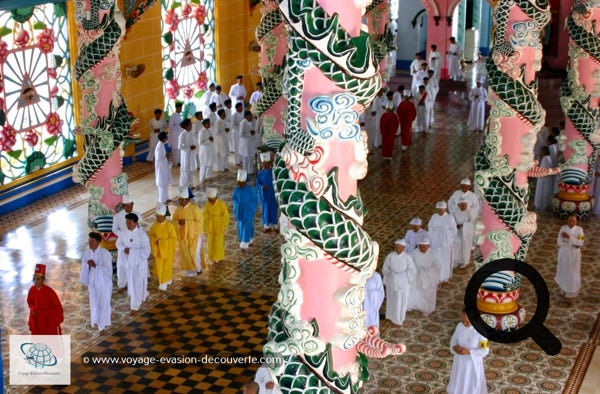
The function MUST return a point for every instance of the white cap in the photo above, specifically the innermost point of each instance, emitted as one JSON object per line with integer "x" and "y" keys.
{"x": 400, "y": 241}
{"x": 242, "y": 176}
{"x": 416, "y": 222}
{"x": 441, "y": 204}
{"x": 161, "y": 210}
{"x": 265, "y": 156}
{"x": 127, "y": 199}
{"x": 465, "y": 181}
{"x": 424, "y": 241}
{"x": 183, "y": 193}
{"x": 211, "y": 192}
{"x": 406, "y": 93}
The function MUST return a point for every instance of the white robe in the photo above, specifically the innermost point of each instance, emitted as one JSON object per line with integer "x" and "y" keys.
{"x": 412, "y": 239}
{"x": 455, "y": 54}
{"x": 442, "y": 233}
{"x": 159, "y": 125}
{"x": 263, "y": 376}
{"x": 207, "y": 98}
{"x": 374, "y": 295}
{"x": 415, "y": 67}
{"x": 568, "y": 267}
{"x": 432, "y": 89}
{"x": 222, "y": 142}
{"x": 136, "y": 263}
{"x": 468, "y": 374}
{"x": 417, "y": 80}
{"x": 162, "y": 172}
{"x": 173, "y": 136}
{"x": 544, "y": 187}
{"x": 422, "y": 121}
{"x": 423, "y": 292}
{"x": 99, "y": 282}
{"x": 464, "y": 237}
{"x": 472, "y": 199}
{"x": 435, "y": 63}
{"x": 186, "y": 174}
{"x": 235, "y": 91}
{"x": 255, "y": 96}
{"x": 119, "y": 225}
{"x": 247, "y": 145}
{"x": 478, "y": 97}
{"x": 206, "y": 153}
{"x": 234, "y": 138}
{"x": 399, "y": 273}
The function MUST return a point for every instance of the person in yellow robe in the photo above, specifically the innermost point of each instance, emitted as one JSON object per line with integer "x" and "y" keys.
{"x": 188, "y": 222}
{"x": 163, "y": 241}
{"x": 216, "y": 220}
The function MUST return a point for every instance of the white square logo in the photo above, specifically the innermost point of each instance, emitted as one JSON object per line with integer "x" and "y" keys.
{"x": 40, "y": 359}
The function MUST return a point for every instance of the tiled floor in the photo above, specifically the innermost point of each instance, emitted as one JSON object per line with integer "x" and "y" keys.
{"x": 224, "y": 311}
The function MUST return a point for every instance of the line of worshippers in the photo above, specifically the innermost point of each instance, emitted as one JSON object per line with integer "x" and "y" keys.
{"x": 185, "y": 231}
{"x": 424, "y": 259}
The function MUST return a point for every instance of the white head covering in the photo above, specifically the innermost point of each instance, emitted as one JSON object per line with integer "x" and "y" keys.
{"x": 400, "y": 241}
{"x": 416, "y": 222}
{"x": 441, "y": 204}
{"x": 265, "y": 156}
{"x": 406, "y": 93}
{"x": 183, "y": 193}
{"x": 424, "y": 241}
{"x": 242, "y": 176}
{"x": 463, "y": 201}
{"x": 465, "y": 181}
{"x": 127, "y": 199}
{"x": 161, "y": 210}
{"x": 211, "y": 192}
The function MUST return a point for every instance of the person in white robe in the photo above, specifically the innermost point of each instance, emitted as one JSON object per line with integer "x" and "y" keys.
{"x": 374, "y": 295}
{"x": 219, "y": 98}
{"x": 478, "y": 98}
{"x": 432, "y": 88}
{"x": 568, "y": 267}
{"x": 434, "y": 60}
{"x": 399, "y": 273}
{"x": 237, "y": 92}
{"x": 544, "y": 187}
{"x": 222, "y": 141}
{"x": 465, "y": 225}
{"x": 187, "y": 147}
{"x": 376, "y": 109}
{"x": 133, "y": 247}
{"x": 248, "y": 142}
{"x": 206, "y": 151}
{"x": 420, "y": 100}
{"x": 398, "y": 97}
{"x": 465, "y": 193}
{"x": 234, "y": 143}
{"x": 455, "y": 55}
{"x": 162, "y": 168}
{"x": 429, "y": 101}
{"x": 469, "y": 348}
{"x": 119, "y": 225}
{"x": 96, "y": 274}
{"x": 266, "y": 383}
{"x": 417, "y": 78}
{"x": 157, "y": 125}
{"x": 414, "y": 235}
{"x": 174, "y": 132}
{"x": 207, "y": 98}
{"x": 415, "y": 67}
{"x": 255, "y": 96}
{"x": 442, "y": 234}
{"x": 423, "y": 292}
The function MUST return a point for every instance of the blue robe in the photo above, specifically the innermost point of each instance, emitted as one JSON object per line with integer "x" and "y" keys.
{"x": 245, "y": 203}
{"x": 266, "y": 196}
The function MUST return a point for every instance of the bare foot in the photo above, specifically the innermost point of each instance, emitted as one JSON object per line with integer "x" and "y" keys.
{"x": 102, "y": 333}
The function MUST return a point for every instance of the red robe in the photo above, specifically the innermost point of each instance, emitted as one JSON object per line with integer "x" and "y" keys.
{"x": 389, "y": 126}
{"x": 407, "y": 113}
{"x": 49, "y": 310}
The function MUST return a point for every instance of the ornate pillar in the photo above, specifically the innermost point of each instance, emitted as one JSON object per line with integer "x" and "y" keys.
{"x": 579, "y": 100}
{"x": 505, "y": 160}
{"x": 317, "y": 326}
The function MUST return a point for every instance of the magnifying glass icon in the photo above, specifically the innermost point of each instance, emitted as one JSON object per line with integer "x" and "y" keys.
{"x": 535, "y": 328}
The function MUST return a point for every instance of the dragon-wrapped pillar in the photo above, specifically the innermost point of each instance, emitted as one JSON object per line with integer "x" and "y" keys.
{"x": 579, "y": 100}
{"x": 104, "y": 120}
{"x": 505, "y": 159}
{"x": 317, "y": 325}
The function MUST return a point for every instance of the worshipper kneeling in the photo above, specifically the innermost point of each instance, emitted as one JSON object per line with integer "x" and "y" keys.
{"x": 216, "y": 220}
{"x": 188, "y": 218}
{"x": 245, "y": 203}
{"x": 133, "y": 248}
{"x": 163, "y": 243}
{"x": 266, "y": 193}
{"x": 568, "y": 267}
{"x": 374, "y": 295}
{"x": 469, "y": 348}
{"x": 399, "y": 273}
{"x": 45, "y": 309}
{"x": 96, "y": 274}
{"x": 423, "y": 292}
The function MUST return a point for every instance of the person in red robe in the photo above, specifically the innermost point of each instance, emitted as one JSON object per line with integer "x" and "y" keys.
{"x": 45, "y": 309}
{"x": 407, "y": 113}
{"x": 389, "y": 126}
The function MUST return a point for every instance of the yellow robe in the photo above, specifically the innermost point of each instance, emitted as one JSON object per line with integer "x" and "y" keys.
{"x": 189, "y": 236}
{"x": 163, "y": 241}
{"x": 216, "y": 220}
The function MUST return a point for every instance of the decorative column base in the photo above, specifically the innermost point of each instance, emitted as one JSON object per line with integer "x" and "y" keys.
{"x": 500, "y": 309}
{"x": 573, "y": 199}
